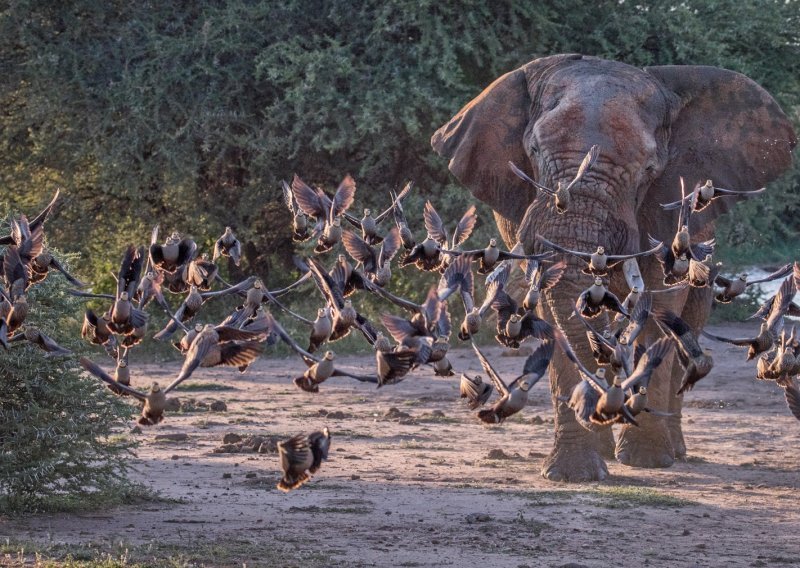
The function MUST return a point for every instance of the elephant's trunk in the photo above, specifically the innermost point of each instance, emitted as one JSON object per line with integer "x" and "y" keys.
{"x": 595, "y": 217}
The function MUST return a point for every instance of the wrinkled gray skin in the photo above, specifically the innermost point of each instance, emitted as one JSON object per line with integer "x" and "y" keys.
{"x": 652, "y": 126}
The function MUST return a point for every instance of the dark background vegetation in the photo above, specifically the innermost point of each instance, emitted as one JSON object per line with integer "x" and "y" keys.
{"x": 189, "y": 113}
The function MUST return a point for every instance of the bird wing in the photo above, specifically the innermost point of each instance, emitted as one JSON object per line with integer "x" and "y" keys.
{"x": 42, "y": 216}
{"x": 638, "y": 317}
{"x": 611, "y": 302}
{"x": 687, "y": 205}
{"x": 398, "y": 301}
{"x": 473, "y": 389}
{"x": 671, "y": 206}
{"x": 49, "y": 344}
{"x": 236, "y": 354}
{"x": 465, "y": 226}
{"x": 722, "y": 281}
{"x": 492, "y": 290}
{"x": 431, "y": 306}
{"x": 389, "y": 247}
{"x": 701, "y": 251}
{"x": 588, "y": 162}
{"x": 780, "y": 273}
{"x": 457, "y": 278}
{"x": 138, "y": 317}
{"x": 274, "y": 301}
{"x": 311, "y": 202}
{"x": 783, "y": 298}
{"x": 651, "y": 359}
{"x": 233, "y": 334}
{"x": 331, "y": 292}
{"x": 792, "y": 394}
{"x": 596, "y": 340}
{"x": 434, "y": 225}
{"x": 583, "y": 400}
{"x": 550, "y": 277}
{"x": 443, "y": 326}
{"x": 525, "y": 177}
{"x": 563, "y": 343}
{"x": 661, "y": 251}
{"x": 366, "y": 328}
{"x": 156, "y": 252}
{"x": 501, "y": 386}
{"x": 500, "y": 274}
{"x": 187, "y": 250}
{"x": 680, "y": 331}
{"x": 505, "y": 306}
{"x": 242, "y": 286}
{"x": 126, "y": 270}
{"x": 398, "y": 327}
{"x": 554, "y": 246}
{"x": 81, "y": 294}
{"x": 538, "y": 361}
{"x": 294, "y": 452}
{"x": 395, "y": 203}
{"x": 397, "y": 209}
{"x": 739, "y": 341}
{"x": 362, "y": 378}
{"x": 359, "y": 250}
{"x": 21, "y": 234}
{"x": 343, "y": 198}
{"x": 54, "y": 263}
{"x": 288, "y": 198}
{"x": 656, "y": 248}
{"x": 277, "y": 329}
{"x": 720, "y": 192}
{"x": 95, "y": 369}
{"x": 399, "y": 362}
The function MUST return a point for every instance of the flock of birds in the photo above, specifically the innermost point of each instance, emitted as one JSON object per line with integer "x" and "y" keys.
{"x": 616, "y": 392}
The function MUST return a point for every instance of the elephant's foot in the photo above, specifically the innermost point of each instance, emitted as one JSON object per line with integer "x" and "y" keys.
{"x": 676, "y": 435}
{"x": 575, "y": 461}
{"x": 604, "y": 442}
{"x": 648, "y": 445}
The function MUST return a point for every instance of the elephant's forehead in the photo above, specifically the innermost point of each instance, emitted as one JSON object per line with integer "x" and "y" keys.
{"x": 604, "y": 92}
{"x": 615, "y": 110}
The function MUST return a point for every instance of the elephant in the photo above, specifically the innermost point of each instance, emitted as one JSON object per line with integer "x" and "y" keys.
{"x": 652, "y": 125}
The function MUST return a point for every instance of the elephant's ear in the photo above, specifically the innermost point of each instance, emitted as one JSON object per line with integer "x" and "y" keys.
{"x": 726, "y": 128}
{"x": 489, "y": 132}
{"x": 480, "y": 140}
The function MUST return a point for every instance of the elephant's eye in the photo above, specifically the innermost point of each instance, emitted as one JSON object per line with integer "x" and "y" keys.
{"x": 534, "y": 149}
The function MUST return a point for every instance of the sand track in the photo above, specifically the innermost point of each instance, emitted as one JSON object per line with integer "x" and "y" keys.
{"x": 422, "y": 489}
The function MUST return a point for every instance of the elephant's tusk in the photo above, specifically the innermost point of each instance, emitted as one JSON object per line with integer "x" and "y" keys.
{"x": 632, "y": 274}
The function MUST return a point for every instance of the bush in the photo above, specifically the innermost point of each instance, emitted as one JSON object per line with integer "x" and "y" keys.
{"x": 59, "y": 430}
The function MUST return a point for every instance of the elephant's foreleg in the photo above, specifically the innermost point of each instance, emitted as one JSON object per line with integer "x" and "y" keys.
{"x": 649, "y": 444}
{"x": 695, "y": 312}
{"x": 605, "y": 443}
{"x": 574, "y": 457}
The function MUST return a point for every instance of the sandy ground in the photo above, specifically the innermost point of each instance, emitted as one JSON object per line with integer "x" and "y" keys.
{"x": 423, "y": 489}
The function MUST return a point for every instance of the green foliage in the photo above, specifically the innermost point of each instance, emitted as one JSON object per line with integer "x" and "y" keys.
{"x": 190, "y": 113}
{"x": 57, "y": 428}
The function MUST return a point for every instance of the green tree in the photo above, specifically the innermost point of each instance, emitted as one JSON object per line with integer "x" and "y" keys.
{"x": 189, "y": 113}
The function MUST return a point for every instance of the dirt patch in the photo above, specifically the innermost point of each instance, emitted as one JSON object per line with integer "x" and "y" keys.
{"x": 414, "y": 479}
